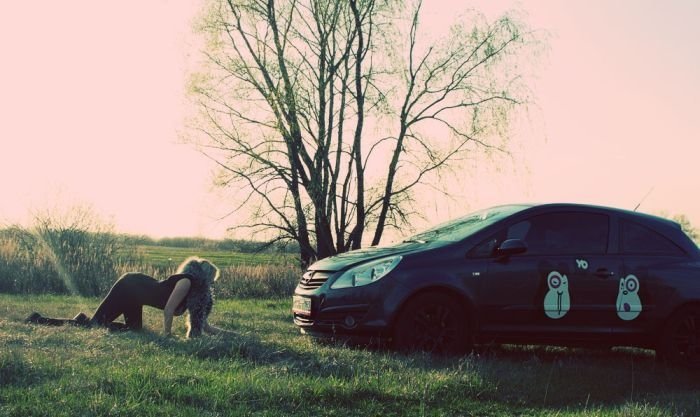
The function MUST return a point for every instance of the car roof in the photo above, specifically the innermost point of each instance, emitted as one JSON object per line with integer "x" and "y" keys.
{"x": 619, "y": 211}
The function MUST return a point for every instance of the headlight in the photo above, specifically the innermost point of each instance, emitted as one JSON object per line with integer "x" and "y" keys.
{"x": 366, "y": 273}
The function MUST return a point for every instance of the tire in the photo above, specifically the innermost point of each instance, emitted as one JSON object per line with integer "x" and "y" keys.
{"x": 680, "y": 341}
{"x": 433, "y": 323}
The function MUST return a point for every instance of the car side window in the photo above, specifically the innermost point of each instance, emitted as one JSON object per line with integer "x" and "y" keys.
{"x": 563, "y": 234}
{"x": 638, "y": 239}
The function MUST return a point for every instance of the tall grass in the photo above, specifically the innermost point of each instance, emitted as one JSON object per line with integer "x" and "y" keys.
{"x": 48, "y": 260}
{"x": 60, "y": 261}
{"x": 257, "y": 281}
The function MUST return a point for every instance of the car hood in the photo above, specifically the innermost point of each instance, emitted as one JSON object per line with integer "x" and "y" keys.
{"x": 355, "y": 257}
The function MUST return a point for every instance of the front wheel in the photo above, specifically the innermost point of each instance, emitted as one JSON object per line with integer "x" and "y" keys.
{"x": 680, "y": 341}
{"x": 434, "y": 323}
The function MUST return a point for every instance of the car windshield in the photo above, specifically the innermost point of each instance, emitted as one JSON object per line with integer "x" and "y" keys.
{"x": 458, "y": 229}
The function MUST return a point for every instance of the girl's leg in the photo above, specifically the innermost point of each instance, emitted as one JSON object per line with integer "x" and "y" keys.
{"x": 39, "y": 319}
{"x": 134, "y": 317}
{"x": 111, "y": 307}
{"x": 116, "y": 326}
{"x": 116, "y": 303}
{"x": 123, "y": 298}
{"x": 79, "y": 320}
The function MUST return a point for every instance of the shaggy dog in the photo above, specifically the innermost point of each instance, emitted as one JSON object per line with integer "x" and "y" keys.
{"x": 199, "y": 299}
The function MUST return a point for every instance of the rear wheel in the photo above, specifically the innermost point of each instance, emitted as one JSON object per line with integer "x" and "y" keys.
{"x": 680, "y": 342}
{"x": 432, "y": 322}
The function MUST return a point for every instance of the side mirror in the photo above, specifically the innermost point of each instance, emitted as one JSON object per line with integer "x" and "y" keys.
{"x": 511, "y": 247}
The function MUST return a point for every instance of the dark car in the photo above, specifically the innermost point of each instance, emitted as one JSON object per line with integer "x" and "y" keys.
{"x": 563, "y": 274}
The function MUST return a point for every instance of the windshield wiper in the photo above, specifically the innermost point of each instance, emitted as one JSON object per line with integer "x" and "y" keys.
{"x": 414, "y": 241}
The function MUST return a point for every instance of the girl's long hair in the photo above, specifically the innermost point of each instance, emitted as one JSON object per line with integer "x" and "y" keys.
{"x": 199, "y": 267}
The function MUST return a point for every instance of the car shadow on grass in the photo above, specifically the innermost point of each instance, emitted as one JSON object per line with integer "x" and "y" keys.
{"x": 551, "y": 377}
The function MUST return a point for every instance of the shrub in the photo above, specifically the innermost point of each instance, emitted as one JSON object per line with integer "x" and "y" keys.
{"x": 71, "y": 254}
{"x": 257, "y": 281}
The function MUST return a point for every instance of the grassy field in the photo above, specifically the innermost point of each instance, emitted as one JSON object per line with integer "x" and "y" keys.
{"x": 267, "y": 369}
{"x": 164, "y": 257}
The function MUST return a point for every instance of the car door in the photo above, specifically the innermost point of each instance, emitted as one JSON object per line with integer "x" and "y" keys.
{"x": 561, "y": 286}
{"x": 642, "y": 293}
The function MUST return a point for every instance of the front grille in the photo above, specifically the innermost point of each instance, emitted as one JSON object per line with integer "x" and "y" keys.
{"x": 313, "y": 279}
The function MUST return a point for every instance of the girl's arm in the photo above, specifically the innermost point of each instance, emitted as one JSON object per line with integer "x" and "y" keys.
{"x": 179, "y": 293}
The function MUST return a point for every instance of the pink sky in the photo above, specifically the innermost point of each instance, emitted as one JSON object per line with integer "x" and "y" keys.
{"x": 92, "y": 103}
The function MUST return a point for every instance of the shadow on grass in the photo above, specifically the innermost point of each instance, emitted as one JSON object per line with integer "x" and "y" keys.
{"x": 539, "y": 378}
{"x": 564, "y": 376}
{"x": 549, "y": 378}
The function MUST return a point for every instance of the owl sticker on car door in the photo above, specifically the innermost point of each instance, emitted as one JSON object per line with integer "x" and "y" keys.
{"x": 557, "y": 301}
{"x": 628, "y": 304}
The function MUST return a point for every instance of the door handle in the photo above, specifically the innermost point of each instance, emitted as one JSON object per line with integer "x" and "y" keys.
{"x": 603, "y": 273}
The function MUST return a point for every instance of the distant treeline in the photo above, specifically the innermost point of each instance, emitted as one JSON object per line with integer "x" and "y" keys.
{"x": 126, "y": 240}
{"x": 232, "y": 245}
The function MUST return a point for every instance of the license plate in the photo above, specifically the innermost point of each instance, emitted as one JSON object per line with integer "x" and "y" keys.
{"x": 301, "y": 305}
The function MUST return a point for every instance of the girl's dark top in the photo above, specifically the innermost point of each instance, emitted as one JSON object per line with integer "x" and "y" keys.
{"x": 142, "y": 289}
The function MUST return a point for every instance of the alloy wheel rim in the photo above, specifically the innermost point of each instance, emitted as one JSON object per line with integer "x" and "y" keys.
{"x": 434, "y": 329}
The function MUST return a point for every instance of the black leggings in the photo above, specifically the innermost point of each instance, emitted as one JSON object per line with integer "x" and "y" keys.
{"x": 120, "y": 300}
{"x": 127, "y": 296}
{"x": 109, "y": 310}
{"x": 83, "y": 321}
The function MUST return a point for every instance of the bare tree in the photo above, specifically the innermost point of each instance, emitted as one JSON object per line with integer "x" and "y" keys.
{"x": 327, "y": 117}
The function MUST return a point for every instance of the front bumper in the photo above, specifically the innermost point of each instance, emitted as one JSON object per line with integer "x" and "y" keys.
{"x": 332, "y": 320}
{"x": 358, "y": 311}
